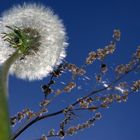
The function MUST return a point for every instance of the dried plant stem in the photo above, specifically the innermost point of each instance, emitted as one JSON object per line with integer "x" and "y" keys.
{"x": 30, "y": 123}
{"x": 4, "y": 117}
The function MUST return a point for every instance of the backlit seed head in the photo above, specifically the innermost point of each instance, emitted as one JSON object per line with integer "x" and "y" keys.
{"x": 40, "y": 37}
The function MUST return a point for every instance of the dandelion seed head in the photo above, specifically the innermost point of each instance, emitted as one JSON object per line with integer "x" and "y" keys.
{"x": 51, "y": 45}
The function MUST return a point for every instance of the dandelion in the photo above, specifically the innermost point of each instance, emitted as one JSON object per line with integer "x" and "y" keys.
{"x": 40, "y": 37}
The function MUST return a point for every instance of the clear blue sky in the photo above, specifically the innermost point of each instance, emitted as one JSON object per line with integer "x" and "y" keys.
{"x": 89, "y": 25}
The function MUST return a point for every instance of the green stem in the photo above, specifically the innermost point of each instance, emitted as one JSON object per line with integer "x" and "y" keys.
{"x": 4, "y": 115}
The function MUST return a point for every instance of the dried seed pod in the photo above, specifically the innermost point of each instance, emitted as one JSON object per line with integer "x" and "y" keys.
{"x": 20, "y": 116}
{"x": 61, "y": 133}
{"x": 51, "y": 82}
{"x": 124, "y": 98}
{"x": 69, "y": 87}
{"x": 13, "y": 120}
{"x": 46, "y": 89}
{"x": 80, "y": 71}
{"x": 101, "y": 53}
{"x": 52, "y": 132}
{"x": 137, "y": 54}
{"x": 116, "y": 34}
{"x": 118, "y": 98}
{"x": 56, "y": 73}
{"x": 91, "y": 57}
{"x": 104, "y": 68}
{"x": 136, "y": 86}
{"x": 98, "y": 78}
{"x": 83, "y": 103}
{"x": 44, "y": 103}
{"x": 120, "y": 69}
{"x": 89, "y": 100}
{"x": 110, "y": 48}
{"x": 98, "y": 116}
{"x": 58, "y": 91}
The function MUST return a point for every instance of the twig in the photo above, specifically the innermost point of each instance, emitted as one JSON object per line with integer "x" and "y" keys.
{"x": 74, "y": 104}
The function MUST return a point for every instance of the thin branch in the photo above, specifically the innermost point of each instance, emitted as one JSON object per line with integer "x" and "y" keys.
{"x": 74, "y": 104}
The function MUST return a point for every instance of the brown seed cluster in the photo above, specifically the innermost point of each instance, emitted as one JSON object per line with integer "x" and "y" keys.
{"x": 100, "y": 53}
{"x": 46, "y": 89}
{"x": 84, "y": 103}
{"x": 75, "y": 70}
{"x": 91, "y": 57}
{"x": 116, "y": 34}
{"x": 61, "y": 133}
{"x": 68, "y": 109}
{"x": 26, "y": 113}
{"x": 74, "y": 129}
{"x": 122, "y": 69}
{"x": 69, "y": 115}
{"x": 44, "y": 103}
{"x": 87, "y": 124}
{"x": 136, "y": 86}
{"x": 102, "y": 101}
{"x": 98, "y": 78}
{"x": 118, "y": 98}
{"x": 137, "y": 54}
{"x": 108, "y": 100}
{"x": 67, "y": 88}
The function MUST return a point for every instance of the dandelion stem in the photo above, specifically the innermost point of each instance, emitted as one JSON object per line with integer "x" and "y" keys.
{"x": 4, "y": 116}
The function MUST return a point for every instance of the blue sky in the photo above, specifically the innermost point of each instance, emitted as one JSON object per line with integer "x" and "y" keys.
{"x": 89, "y": 25}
